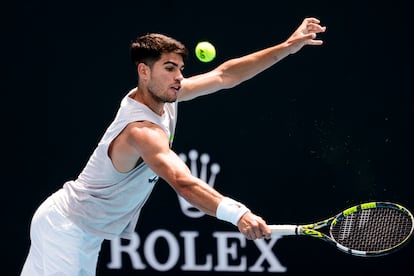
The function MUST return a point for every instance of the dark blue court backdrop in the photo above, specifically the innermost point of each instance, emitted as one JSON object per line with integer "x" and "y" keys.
{"x": 324, "y": 129}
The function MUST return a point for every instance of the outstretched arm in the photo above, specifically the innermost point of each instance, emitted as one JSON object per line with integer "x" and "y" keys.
{"x": 237, "y": 70}
{"x": 151, "y": 144}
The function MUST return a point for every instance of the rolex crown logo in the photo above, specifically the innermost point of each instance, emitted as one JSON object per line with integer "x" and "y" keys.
{"x": 199, "y": 166}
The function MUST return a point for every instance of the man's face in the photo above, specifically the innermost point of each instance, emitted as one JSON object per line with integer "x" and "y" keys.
{"x": 165, "y": 78}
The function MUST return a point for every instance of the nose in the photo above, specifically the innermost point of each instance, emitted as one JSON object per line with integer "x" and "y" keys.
{"x": 179, "y": 77}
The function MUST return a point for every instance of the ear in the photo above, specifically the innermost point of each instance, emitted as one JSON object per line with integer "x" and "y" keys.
{"x": 143, "y": 70}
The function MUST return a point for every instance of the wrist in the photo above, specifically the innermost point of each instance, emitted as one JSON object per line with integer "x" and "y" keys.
{"x": 230, "y": 210}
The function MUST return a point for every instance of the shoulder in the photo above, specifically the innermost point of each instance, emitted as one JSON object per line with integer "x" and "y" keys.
{"x": 145, "y": 133}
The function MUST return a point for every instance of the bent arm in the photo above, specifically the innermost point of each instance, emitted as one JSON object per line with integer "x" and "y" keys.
{"x": 238, "y": 70}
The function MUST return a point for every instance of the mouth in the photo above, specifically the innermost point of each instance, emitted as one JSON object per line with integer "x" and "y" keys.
{"x": 176, "y": 87}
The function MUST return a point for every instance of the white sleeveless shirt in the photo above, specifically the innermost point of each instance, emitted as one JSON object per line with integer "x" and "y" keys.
{"x": 102, "y": 200}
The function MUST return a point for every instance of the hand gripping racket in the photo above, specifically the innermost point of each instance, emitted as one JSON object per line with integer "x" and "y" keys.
{"x": 366, "y": 230}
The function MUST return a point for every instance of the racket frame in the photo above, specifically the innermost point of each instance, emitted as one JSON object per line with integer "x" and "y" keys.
{"x": 312, "y": 229}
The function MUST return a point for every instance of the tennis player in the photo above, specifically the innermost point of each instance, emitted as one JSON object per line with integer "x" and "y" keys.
{"x": 105, "y": 200}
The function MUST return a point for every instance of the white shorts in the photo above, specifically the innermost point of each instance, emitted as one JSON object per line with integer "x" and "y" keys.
{"x": 59, "y": 247}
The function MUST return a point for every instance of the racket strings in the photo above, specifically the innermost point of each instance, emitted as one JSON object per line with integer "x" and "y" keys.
{"x": 373, "y": 230}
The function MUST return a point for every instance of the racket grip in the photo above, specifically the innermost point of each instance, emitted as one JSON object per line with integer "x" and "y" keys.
{"x": 283, "y": 229}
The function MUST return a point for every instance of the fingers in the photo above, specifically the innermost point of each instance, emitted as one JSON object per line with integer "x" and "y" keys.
{"x": 258, "y": 234}
{"x": 254, "y": 227}
{"x": 312, "y": 19}
{"x": 315, "y": 28}
{"x": 312, "y": 25}
{"x": 255, "y": 234}
{"x": 310, "y": 29}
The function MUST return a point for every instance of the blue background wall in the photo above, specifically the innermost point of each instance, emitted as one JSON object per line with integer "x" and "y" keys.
{"x": 322, "y": 130}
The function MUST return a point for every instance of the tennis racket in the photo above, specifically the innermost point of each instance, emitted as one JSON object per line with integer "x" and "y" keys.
{"x": 367, "y": 230}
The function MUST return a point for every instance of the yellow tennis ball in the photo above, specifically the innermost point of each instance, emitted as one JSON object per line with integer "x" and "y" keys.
{"x": 205, "y": 51}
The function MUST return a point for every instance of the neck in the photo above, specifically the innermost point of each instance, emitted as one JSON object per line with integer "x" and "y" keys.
{"x": 145, "y": 98}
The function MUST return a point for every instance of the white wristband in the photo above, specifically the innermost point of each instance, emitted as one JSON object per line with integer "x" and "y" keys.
{"x": 230, "y": 210}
